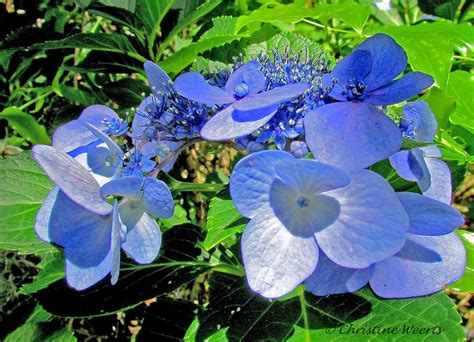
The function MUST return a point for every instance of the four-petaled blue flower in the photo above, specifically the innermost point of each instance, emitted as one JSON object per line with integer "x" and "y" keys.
{"x": 309, "y": 220}
{"x": 301, "y": 208}
{"x": 76, "y": 216}
{"x": 249, "y": 103}
{"x": 355, "y": 134}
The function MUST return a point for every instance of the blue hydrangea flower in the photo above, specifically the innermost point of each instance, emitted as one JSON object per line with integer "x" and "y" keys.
{"x": 299, "y": 208}
{"x": 76, "y": 216}
{"x": 432, "y": 258}
{"x": 250, "y": 102}
{"x": 84, "y": 139}
{"x": 139, "y": 163}
{"x": 422, "y": 165}
{"x": 115, "y": 126}
{"x": 355, "y": 134}
{"x": 367, "y": 74}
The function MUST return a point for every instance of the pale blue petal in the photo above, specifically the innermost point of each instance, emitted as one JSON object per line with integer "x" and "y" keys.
{"x": 350, "y": 135}
{"x": 88, "y": 252}
{"x": 329, "y": 278}
{"x": 431, "y": 151}
{"x": 222, "y": 126}
{"x": 440, "y": 181}
{"x": 250, "y": 74}
{"x": 372, "y": 224}
{"x": 407, "y": 165}
{"x": 42, "y": 221}
{"x": 193, "y": 86}
{"x": 127, "y": 186}
{"x": 251, "y": 180}
{"x": 75, "y": 181}
{"x": 117, "y": 228}
{"x": 388, "y": 59}
{"x": 310, "y": 176}
{"x": 428, "y": 216}
{"x": 400, "y": 90}
{"x": 275, "y": 260}
{"x": 72, "y": 135}
{"x": 271, "y": 97}
{"x": 143, "y": 238}
{"x": 424, "y": 120}
{"x": 141, "y": 121}
{"x": 157, "y": 198}
{"x": 115, "y": 150}
{"x": 157, "y": 78}
{"x": 425, "y": 265}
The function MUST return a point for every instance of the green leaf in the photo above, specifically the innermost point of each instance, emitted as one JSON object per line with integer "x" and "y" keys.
{"x": 221, "y": 33}
{"x": 179, "y": 265}
{"x": 442, "y": 106}
{"x": 180, "y": 216}
{"x": 24, "y": 189}
{"x": 461, "y": 87}
{"x": 235, "y": 314}
{"x": 156, "y": 323}
{"x": 353, "y": 15}
{"x": 195, "y": 15}
{"x": 408, "y": 144}
{"x": 152, "y": 13}
{"x": 26, "y": 125}
{"x": 427, "y": 52}
{"x": 223, "y": 221}
{"x": 82, "y": 97}
{"x": 126, "y": 92}
{"x": 119, "y": 16}
{"x": 466, "y": 283}
{"x": 39, "y": 328}
{"x": 51, "y": 270}
{"x": 94, "y": 41}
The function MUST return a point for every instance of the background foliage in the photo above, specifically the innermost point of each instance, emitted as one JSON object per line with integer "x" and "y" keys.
{"x": 57, "y": 57}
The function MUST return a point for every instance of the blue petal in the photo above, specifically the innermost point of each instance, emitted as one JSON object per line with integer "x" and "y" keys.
{"x": 400, "y": 90}
{"x": 117, "y": 228}
{"x": 88, "y": 251}
{"x": 440, "y": 181}
{"x": 143, "y": 238}
{"x": 74, "y": 134}
{"x": 388, "y": 59}
{"x": 428, "y": 216}
{"x": 254, "y": 114}
{"x": 193, "y": 86}
{"x": 75, "y": 181}
{"x": 115, "y": 150}
{"x": 408, "y": 166}
{"x": 128, "y": 186}
{"x": 222, "y": 126}
{"x": 431, "y": 151}
{"x": 141, "y": 121}
{"x": 420, "y": 114}
{"x": 425, "y": 265}
{"x": 271, "y": 97}
{"x": 329, "y": 278}
{"x": 350, "y": 135}
{"x": 42, "y": 221}
{"x": 159, "y": 81}
{"x": 355, "y": 67}
{"x": 311, "y": 176}
{"x": 251, "y": 180}
{"x": 372, "y": 224}
{"x": 275, "y": 260}
{"x": 250, "y": 74}
{"x": 157, "y": 198}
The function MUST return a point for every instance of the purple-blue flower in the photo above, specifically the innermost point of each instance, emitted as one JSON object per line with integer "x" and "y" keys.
{"x": 250, "y": 104}
{"x": 301, "y": 208}
{"x": 422, "y": 165}
{"x": 432, "y": 257}
{"x": 76, "y": 216}
{"x": 355, "y": 134}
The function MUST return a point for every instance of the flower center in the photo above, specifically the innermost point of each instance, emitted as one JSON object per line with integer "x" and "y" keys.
{"x": 355, "y": 90}
{"x": 302, "y": 201}
{"x": 241, "y": 90}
